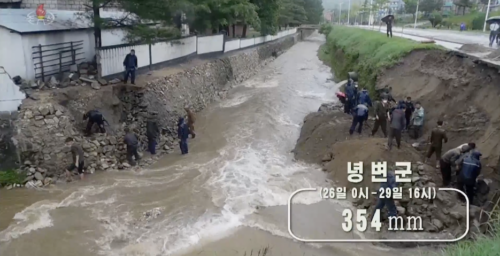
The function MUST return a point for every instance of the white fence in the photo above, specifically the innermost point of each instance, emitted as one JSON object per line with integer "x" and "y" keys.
{"x": 110, "y": 59}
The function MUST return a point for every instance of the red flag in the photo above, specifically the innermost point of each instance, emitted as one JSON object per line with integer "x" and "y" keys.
{"x": 40, "y": 12}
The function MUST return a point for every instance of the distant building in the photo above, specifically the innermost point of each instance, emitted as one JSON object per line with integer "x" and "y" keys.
{"x": 328, "y": 16}
{"x": 396, "y": 5}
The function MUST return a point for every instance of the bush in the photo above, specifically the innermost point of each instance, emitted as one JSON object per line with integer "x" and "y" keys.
{"x": 478, "y": 21}
{"x": 11, "y": 177}
{"x": 367, "y": 53}
{"x": 325, "y": 29}
{"x": 435, "y": 18}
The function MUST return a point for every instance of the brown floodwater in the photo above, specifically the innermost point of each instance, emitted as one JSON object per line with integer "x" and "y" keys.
{"x": 239, "y": 174}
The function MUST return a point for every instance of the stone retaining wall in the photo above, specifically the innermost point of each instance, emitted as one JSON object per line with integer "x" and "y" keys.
{"x": 43, "y": 125}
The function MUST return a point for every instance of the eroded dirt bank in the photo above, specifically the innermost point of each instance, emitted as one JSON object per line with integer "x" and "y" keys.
{"x": 456, "y": 90}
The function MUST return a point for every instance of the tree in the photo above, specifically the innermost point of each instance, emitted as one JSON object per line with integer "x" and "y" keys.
{"x": 435, "y": 18}
{"x": 464, "y": 4}
{"x": 292, "y": 13}
{"x": 428, "y": 6}
{"x": 411, "y": 6}
{"x": 314, "y": 11}
{"x": 268, "y": 12}
{"x": 140, "y": 15}
{"x": 365, "y": 8}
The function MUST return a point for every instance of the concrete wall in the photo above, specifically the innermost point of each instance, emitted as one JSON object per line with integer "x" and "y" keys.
{"x": 12, "y": 53}
{"x": 232, "y": 45}
{"x": 113, "y": 36}
{"x": 111, "y": 60}
{"x": 173, "y": 50}
{"x": 208, "y": 44}
{"x": 11, "y": 96}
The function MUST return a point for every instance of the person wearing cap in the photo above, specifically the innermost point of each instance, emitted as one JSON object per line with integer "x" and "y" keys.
{"x": 152, "y": 132}
{"x": 437, "y": 138}
{"x": 359, "y": 116}
{"x": 470, "y": 168}
{"x": 398, "y": 123}
{"x": 418, "y": 120}
{"x": 381, "y": 110}
{"x": 449, "y": 160}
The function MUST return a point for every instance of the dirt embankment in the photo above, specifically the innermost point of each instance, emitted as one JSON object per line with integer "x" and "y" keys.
{"x": 456, "y": 90}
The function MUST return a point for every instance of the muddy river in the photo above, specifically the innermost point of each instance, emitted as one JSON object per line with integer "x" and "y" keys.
{"x": 233, "y": 186}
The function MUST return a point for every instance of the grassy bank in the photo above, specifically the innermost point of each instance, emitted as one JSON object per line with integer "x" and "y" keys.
{"x": 366, "y": 52}
{"x": 11, "y": 177}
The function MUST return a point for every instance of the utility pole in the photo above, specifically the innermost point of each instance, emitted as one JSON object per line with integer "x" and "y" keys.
{"x": 370, "y": 18}
{"x": 416, "y": 16}
{"x": 487, "y": 13}
{"x": 348, "y": 12}
{"x": 340, "y": 11}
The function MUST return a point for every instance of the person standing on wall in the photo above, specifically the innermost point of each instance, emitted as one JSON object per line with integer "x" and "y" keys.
{"x": 130, "y": 64}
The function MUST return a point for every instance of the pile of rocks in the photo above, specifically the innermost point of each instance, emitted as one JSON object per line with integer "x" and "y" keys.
{"x": 444, "y": 213}
{"x": 83, "y": 74}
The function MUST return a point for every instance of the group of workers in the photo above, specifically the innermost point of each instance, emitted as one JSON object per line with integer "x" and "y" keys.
{"x": 131, "y": 140}
{"x": 408, "y": 116}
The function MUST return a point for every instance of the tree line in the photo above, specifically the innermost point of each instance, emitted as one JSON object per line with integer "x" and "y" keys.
{"x": 148, "y": 21}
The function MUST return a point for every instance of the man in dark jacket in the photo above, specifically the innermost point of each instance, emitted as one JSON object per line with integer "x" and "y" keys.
{"x": 381, "y": 114}
{"x": 438, "y": 136}
{"x": 359, "y": 116}
{"x": 450, "y": 160}
{"x": 350, "y": 96}
{"x": 152, "y": 132}
{"x": 94, "y": 117}
{"x": 130, "y": 64}
{"x": 183, "y": 134}
{"x": 364, "y": 98}
{"x": 470, "y": 170}
{"x": 398, "y": 123}
{"x": 389, "y": 26}
{"x": 132, "y": 143}
{"x": 389, "y": 202}
{"x": 410, "y": 108}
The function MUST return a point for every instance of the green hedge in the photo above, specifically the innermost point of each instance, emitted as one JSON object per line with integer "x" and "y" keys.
{"x": 366, "y": 52}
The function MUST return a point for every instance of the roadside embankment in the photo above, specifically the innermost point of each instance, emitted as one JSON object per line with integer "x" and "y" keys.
{"x": 451, "y": 88}
{"x": 44, "y": 124}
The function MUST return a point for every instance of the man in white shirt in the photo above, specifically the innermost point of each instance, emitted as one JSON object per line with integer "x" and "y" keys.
{"x": 493, "y": 32}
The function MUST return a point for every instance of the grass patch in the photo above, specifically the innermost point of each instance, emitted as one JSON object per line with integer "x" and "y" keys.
{"x": 324, "y": 55}
{"x": 366, "y": 52}
{"x": 11, "y": 177}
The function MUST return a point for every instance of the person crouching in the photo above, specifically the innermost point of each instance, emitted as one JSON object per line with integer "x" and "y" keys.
{"x": 77, "y": 160}
{"x": 359, "y": 117}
